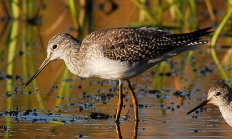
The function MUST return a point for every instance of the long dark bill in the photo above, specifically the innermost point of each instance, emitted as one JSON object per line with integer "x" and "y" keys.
{"x": 43, "y": 65}
{"x": 199, "y": 106}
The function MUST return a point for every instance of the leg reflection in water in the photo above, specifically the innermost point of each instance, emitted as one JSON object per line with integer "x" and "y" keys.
{"x": 119, "y": 134}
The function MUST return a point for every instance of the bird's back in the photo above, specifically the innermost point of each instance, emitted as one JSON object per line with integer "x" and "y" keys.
{"x": 142, "y": 44}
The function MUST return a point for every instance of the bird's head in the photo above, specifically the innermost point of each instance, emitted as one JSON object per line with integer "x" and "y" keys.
{"x": 59, "y": 47}
{"x": 220, "y": 95}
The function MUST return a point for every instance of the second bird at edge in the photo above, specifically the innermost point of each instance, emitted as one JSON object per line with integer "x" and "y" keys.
{"x": 220, "y": 95}
{"x": 119, "y": 53}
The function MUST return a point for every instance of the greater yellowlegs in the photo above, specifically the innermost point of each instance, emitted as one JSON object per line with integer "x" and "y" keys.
{"x": 220, "y": 95}
{"x": 119, "y": 53}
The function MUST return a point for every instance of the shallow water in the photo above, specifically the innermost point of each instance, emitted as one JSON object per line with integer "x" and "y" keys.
{"x": 161, "y": 115}
{"x": 61, "y": 105}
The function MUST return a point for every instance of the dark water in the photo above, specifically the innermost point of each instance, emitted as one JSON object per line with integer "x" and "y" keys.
{"x": 61, "y": 105}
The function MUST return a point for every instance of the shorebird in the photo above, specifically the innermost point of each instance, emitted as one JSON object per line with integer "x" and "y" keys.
{"x": 119, "y": 54}
{"x": 220, "y": 95}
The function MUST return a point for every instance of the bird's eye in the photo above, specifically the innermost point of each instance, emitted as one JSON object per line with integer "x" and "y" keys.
{"x": 218, "y": 93}
{"x": 54, "y": 47}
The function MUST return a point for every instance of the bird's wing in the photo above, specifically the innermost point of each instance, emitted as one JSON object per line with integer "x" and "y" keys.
{"x": 136, "y": 44}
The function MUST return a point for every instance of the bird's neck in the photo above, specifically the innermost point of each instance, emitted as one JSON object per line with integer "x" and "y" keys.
{"x": 75, "y": 62}
{"x": 227, "y": 114}
{"x": 72, "y": 61}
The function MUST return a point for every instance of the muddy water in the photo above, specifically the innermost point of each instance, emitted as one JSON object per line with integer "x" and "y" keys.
{"x": 58, "y": 106}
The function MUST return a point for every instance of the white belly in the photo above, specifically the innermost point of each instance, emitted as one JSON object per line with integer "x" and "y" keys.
{"x": 110, "y": 69}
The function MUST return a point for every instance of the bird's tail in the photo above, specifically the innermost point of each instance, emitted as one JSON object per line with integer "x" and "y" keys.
{"x": 192, "y": 38}
{"x": 183, "y": 43}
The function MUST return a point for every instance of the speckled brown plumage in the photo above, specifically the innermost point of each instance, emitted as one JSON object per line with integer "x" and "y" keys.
{"x": 141, "y": 44}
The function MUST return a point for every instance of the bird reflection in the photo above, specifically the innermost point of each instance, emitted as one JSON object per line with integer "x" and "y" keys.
{"x": 119, "y": 134}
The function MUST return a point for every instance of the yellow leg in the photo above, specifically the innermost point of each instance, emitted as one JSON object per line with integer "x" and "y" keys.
{"x": 134, "y": 100}
{"x": 120, "y": 103}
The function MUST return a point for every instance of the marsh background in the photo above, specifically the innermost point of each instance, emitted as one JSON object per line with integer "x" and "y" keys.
{"x": 61, "y": 105}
